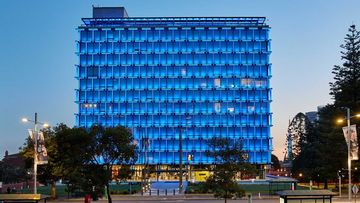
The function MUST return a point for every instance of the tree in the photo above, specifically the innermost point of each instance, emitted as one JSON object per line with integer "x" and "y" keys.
{"x": 84, "y": 158}
{"x": 275, "y": 163}
{"x": 304, "y": 146}
{"x": 346, "y": 85}
{"x": 44, "y": 173}
{"x": 324, "y": 142}
{"x": 67, "y": 153}
{"x": 229, "y": 160}
{"x": 297, "y": 131}
{"x": 69, "y": 158}
{"x": 112, "y": 146}
{"x": 11, "y": 174}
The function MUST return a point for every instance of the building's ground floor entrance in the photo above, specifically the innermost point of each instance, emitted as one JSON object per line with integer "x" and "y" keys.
{"x": 192, "y": 173}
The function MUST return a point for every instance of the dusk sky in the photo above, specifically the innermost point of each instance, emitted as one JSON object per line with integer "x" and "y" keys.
{"x": 37, "y": 54}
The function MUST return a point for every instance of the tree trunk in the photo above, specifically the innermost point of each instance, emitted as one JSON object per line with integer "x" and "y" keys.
{"x": 225, "y": 199}
{"x": 53, "y": 189}
{"x": 108, "y": 192}
{"x": 107, "y": 183}
{"x": 325, "y": 184}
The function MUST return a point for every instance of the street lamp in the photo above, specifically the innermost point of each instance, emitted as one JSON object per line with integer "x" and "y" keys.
{"x": 348, "y": 117}
{"x": 35, "y": 139}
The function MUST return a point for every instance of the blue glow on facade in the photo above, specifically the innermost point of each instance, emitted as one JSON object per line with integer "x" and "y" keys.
{"x": 208, "y": 77}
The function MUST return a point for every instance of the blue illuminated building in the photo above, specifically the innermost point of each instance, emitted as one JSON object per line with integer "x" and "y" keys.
{"x": 204, "y": 76}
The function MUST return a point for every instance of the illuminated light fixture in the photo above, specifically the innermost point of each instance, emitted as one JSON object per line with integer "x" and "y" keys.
{"x": 25, "y": 120}
{"x": 46, "y": 125}
{"x": 340, "y": 120}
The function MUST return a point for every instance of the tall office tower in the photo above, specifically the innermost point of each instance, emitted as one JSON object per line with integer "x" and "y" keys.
{"x": 201, "y": 77}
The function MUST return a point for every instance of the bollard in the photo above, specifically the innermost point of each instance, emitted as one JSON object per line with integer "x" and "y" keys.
{"x": 87, "y": 199}
{"x": 158, "y": 192}
{"x": 150, "y": 192}
{"x": 249, "y": 197}
{"x": 165, "y": 192}
{"x": 174, "y": 191}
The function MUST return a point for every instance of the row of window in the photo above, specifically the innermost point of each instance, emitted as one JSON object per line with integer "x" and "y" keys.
{"x": 173, "y": 47}
{"x": 231, "y": 112}
{"x": 169, "y": 108}
{"x": 155, "y": 133}
{"x": 172, "y": 83}
{"x": 196, "y": 133}
{"x": 260, "y": 156}
{"x": 175, "y": 120}
{"x": 166, "y": 34}
{"x": 189, "y": 145}
{"x": 173, "y": 96}
{"x": 173, "y": 71}
{"x": 175, "y": 59}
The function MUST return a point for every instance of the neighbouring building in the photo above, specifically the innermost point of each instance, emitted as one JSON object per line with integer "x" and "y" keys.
{"x": 14, "y": 173}
{"x": 313, "y": 116}
{"x": 15, "y": 161}
{"x": 201, "y": 77}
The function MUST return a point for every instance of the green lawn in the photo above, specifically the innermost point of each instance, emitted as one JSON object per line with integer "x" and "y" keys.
{"x": 61, "y": 190}
{"x": 199, "y": 188}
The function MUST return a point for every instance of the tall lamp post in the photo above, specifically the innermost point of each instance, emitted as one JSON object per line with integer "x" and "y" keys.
{"x": 348, "y": 117}
{"x": 35, "y": 139}
{"x": 181, "y": 156}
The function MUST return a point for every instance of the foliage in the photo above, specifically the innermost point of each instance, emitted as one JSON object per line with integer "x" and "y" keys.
{"x": 275, "y": 163}
{"x": 111, "y": 146}
{"x": 66, "y": 148}
{"x": 71, "y": 155}
{"x": 11, "y": 174}
{"x": 83, "y": 159}
{"x": 324, "y": 151}
{"x": 229, "y": 160}
{"x": 298, "y": 130}
{"x": 317, "y": 149}
{"x": 44, "y": 172}
{"x": 346, "y": 85}
{"x": 197, "y": 188}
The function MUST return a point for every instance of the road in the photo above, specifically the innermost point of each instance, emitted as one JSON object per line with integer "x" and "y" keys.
{"x": 178, "y": 201}
{"x": 164, "y": 200}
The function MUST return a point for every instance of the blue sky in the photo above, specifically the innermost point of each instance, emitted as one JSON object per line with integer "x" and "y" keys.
{"x": 37, "y": 45}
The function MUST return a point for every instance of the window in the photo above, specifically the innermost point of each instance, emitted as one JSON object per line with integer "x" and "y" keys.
{"x": 246, "y": 82}
{"x": 217, "y": 107}
{"x": 217, "y": 82}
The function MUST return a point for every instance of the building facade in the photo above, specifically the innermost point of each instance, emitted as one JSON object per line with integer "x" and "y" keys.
{"x": 166, "y": 77}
